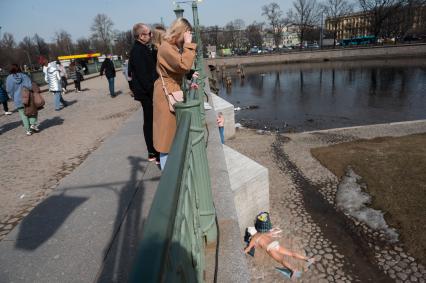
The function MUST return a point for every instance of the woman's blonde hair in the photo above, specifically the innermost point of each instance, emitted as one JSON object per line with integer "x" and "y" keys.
{"x": 178, "y": 27}
{"x": 158, "y": 35}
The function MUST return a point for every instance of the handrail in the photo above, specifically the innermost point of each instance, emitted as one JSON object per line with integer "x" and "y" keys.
{"x": 181, "y": 218}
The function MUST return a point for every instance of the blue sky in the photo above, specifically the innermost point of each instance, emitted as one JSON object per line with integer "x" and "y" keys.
{"x": 27, "y": 17}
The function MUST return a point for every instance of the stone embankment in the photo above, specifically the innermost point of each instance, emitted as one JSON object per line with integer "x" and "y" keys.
{"x": 391, "y": 51}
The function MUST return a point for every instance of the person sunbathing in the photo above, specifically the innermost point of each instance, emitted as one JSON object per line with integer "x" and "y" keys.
{"x": 268, "y": 241}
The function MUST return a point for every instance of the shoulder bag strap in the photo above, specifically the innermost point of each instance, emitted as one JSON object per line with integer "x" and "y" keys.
{"x": 162, "y": 82}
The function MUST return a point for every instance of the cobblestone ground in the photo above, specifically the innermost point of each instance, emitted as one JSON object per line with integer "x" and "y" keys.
{"x": 302, "y": 194}
{"x": 31, "y": 166}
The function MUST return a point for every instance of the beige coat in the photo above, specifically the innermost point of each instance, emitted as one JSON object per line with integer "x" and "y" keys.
{"x": 172, "y": 65}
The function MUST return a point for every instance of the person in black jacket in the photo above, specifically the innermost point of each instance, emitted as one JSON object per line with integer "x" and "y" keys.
{"x": 108, "y": 67}
{"x": 142, "y": 64}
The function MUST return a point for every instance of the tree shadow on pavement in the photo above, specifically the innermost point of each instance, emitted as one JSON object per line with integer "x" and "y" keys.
{"x": 47, "y": 123}
{"x": 10, "y": 126}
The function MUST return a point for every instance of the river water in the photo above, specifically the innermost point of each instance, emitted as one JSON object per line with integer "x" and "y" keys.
{"x": 312, "y": 96}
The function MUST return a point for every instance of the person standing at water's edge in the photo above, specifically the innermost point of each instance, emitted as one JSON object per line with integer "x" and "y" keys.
{"x": 109, "y": 69}
{"x": 175, "y": 58}
{"x": 142, "y": 71}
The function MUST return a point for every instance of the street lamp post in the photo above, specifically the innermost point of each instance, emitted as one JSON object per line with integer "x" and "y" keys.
{"x": 178, "y": 11}
{"x": 202, "y": 181}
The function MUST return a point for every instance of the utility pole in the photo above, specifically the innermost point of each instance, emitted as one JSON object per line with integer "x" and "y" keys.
{"x": 322, "y": 29}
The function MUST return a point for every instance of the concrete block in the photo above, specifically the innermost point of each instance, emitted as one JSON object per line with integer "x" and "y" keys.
{"x": 249, "y": 184}
{"x": 221, "y": 105}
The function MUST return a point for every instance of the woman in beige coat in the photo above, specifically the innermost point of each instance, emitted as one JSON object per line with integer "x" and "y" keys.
{"x": 174, "y": 59}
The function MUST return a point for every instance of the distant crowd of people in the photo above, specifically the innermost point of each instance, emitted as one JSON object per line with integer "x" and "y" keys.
{"x": 158, "y": 62}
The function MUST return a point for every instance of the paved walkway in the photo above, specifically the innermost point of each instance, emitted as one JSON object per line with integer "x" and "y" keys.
{"x": 31, "y": 167}
{"x": 88, "y": 228}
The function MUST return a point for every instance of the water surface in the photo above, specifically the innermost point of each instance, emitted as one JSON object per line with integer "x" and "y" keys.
{"x": 311, "y": 96}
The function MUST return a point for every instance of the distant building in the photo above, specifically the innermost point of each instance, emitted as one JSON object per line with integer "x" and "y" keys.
{"x": 352, "y": 25}
{"x": 268, "y": 40}
{"x": 291, "y": 35}
{"x": 359, "y": 23}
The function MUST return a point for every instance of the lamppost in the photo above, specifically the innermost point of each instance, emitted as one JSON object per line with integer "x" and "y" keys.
{"x": 201, "y": 171}
{"x": 178, "y": 11}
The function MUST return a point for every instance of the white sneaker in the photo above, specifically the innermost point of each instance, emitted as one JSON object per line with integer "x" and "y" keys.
{"x": 7, "y": 113}
{"x": 28, "y": 133}
{"x": 34, "y": 128}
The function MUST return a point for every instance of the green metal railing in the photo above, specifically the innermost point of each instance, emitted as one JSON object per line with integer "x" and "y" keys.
{"x": 182, "y": 217}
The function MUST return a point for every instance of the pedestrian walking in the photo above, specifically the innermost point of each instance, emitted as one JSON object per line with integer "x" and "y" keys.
{"x": 175, "y": 57}
{"x": 143, "y": 74}
{"x": 108, "y": 68}
{"x": 53, "y": 79}
{"x": 63, "y": 74}
{"x": 15, "y": 82}
{"x": 4, "y": 98}
{"x": 74, "y": 73}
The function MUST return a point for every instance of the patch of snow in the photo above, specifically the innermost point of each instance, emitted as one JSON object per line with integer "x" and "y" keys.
{"x": 352, "y": 200}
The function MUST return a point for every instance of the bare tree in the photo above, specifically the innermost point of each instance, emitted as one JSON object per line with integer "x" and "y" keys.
{"x": 408, "y": 21}
{"x": 8, "y": 41}
{"x": 305, "y": 15}
{"x": 41, "y": 45}
{"x": 29, "y": 50}
{"x": 254, "y": 34}
{"x": 380, "y": 12}
{"x": 229, "y": 35}
{"x": 124, "y": 42}
{"x": 8, "y": 54}
{"x": 210, "y": 35}
{"x": 333, "y": 10}
{"x": 274, "y": 15}
{"x": 63, "y": 43}
{"x": 82, "y": 46}
{"x": 102, "y": 31}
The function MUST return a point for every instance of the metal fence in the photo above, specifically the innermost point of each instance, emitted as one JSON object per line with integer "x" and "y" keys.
{"x": 182, "y": 215}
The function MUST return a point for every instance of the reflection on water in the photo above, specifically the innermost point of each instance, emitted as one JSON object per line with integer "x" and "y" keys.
{"x": 331, "y": 94}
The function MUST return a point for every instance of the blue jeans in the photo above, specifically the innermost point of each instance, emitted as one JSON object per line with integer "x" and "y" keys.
{"x": 222, "y": 135}
{"x": 111, "y": 86}
{"x": 57, "y": 99}
{"x": 163, "y": 159}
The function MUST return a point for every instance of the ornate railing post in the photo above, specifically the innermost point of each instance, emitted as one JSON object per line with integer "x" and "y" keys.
{"x": 200, "y": 177}
{"x": 199, "y": 64}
